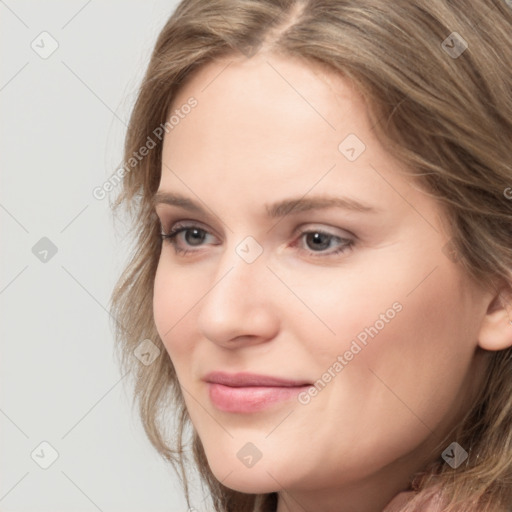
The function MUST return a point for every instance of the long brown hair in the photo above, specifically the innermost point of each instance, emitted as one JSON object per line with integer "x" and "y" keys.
{"x": 436, "y": 74}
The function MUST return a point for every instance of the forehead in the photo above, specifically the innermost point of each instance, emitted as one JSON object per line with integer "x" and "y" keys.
{"x": 262, "y": 111}
{"x": 288, "y": 76}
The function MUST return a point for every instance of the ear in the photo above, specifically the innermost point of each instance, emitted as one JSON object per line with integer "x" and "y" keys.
{"x": 496, "y": 328}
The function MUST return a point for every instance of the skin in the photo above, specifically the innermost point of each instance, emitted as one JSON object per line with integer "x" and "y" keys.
{"x": 254, "y": 140}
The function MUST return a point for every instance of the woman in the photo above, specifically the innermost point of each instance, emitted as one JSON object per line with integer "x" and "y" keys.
{"x": 321, "y": 195}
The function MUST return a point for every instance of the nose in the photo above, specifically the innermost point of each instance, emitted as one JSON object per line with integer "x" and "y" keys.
{"x": 240, "y": 308}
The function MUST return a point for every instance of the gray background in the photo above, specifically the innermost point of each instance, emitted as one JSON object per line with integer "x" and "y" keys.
{"x": 63, "y": 118}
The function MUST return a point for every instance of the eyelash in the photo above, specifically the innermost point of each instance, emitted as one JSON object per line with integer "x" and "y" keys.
{"x": 177, "y": 229}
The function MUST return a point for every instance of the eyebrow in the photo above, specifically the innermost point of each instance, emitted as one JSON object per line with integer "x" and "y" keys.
{"x": 275, "y": 210}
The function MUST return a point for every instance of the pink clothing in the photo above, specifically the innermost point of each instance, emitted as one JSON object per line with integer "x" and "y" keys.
{"x": 429, "y": 504}
{"x": 396, "y": 504}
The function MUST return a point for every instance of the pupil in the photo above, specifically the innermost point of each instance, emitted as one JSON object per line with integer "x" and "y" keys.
{"x": 321, "y": 240}
{"x": 198, "y": 236}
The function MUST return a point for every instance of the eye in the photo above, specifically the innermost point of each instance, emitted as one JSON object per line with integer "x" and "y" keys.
{"x": 192, "y": 236}
{"x": 183, "y": 237}
{"x": 318, "y": 241}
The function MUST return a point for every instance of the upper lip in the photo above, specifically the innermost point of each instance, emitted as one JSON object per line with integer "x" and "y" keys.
{"x": 238, "y": 380}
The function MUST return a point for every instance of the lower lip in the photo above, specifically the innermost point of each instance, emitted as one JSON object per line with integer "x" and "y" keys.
{"x": 250, "y": 398}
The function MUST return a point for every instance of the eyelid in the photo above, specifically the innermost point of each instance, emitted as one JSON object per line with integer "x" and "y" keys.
{"x": 312, "y": 226}
{"x": 185, "y": 223}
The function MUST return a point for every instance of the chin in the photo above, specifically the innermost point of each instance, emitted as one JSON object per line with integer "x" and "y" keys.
{"x": 247, "y": 480}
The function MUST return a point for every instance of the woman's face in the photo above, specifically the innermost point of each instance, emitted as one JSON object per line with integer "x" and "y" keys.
{"x": 312, "y": 258}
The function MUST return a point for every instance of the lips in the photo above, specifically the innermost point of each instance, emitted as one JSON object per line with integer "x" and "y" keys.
{"x": 249, "y": 392}
{"x": 236, "y": 380}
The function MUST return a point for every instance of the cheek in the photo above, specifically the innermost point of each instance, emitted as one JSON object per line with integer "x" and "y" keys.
{"x": 409, "y": 376}
{"x": 433, "y": 357}
{"x": 174, "y": 295}
{"x": 429, "y": 342}
{"x": 412, "y": 370}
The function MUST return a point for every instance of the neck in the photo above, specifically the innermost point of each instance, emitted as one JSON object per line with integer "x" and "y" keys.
{"x": 372, "y": 494}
